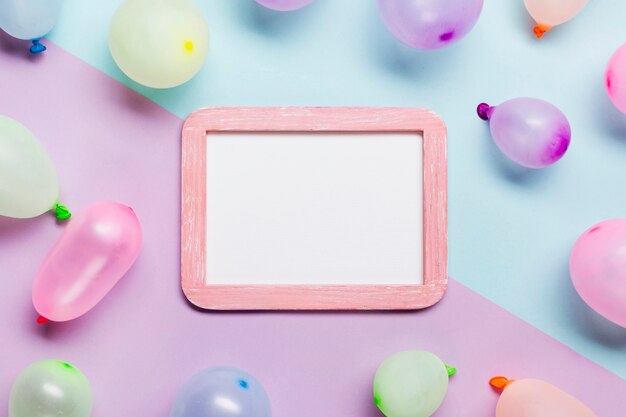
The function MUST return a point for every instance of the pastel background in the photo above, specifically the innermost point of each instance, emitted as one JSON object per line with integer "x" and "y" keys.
{"x": 510, "y": 309}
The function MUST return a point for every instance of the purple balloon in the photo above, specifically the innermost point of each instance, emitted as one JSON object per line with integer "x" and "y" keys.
{"x": 222, "y": 392}
{"x": 284, "y": 5}
{"x": 529, "y": 131}
{"x": 429, "y": 24}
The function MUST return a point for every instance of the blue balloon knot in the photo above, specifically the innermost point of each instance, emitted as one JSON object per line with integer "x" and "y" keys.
{"x": 37, "y": 47}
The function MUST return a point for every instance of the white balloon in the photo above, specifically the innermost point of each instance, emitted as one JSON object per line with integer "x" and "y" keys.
{"x": 159, "y": 43}
{"x": 29, "y": 19}
{"x": 28, "y": 181}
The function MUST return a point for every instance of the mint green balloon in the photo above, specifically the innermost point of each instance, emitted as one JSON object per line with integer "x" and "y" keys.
{"x": 50, "y": 388}
{"x": 28, "y": 180}
{"x": 412, "y": 383}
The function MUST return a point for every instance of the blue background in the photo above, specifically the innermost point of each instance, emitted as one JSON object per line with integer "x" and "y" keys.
{"x": 511, "y": 230}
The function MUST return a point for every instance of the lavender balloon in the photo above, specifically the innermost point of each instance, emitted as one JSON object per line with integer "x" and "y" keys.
{"x": 222, "y": 392}
{"x": 429, "y": 24}
{"x": 531, "y": 132}
{"x": 284, "y": 5}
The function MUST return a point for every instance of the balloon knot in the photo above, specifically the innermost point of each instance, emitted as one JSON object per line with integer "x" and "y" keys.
{"x": 484, "y": 111}
{"x": 37, "y": 47}
{"x": 499, "y": 383}
{"x": 451, "y": 370}
{"x": 42, "y": 320}
{"x": 540, "y": 29}
{"x": 61, "y": 212}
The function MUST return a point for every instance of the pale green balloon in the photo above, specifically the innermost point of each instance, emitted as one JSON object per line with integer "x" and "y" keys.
{"x": 159, "y": 43}
{"x": 28, "y": 181}
{"x": 50, "y": 388}
{"x": 412, "y": 383}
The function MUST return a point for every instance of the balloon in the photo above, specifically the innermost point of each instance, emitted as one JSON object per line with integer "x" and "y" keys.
{"x": 284, "y": 5}
{"x": 50, "y": 388}
{"x": 28, "y": 181}
{"x": 412, "y": 383}
{"x": 549, "y": 13}
{"x": 98, "y": 246}
{"x": 429, "y": 24}
{"x": 222, "y": 392}
{"x": 159, "y": 43}
{"x": 616, "y": 78}
{"x": 536, "y": 398}
{"x": 29, "y": 19}
{"x": 531, "y": 132}
{"x": 598, "y": 269}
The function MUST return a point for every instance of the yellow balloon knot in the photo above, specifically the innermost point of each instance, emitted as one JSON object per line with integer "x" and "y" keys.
{"x": 189, "y": 46}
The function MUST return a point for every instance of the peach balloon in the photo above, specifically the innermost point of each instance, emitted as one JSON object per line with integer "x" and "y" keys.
{"x": 598, "y": 269}
{"x": 549, "y": 13}
{"x": 98, "y": 246}
{"x": 615, "y": 79}
{"x": 536, "y": 398}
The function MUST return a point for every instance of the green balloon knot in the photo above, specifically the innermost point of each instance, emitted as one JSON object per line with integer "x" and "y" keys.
{"x": 61, "y": 212}
{"x": 451, "y": 370}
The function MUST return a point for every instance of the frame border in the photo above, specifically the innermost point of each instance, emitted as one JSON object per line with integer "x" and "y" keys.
{"x": 313, "y": 297}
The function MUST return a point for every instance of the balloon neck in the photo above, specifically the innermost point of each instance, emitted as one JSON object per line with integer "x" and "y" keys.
{"x": 484, "y": 111}
{"x": 42, "y": 320}
{"x": 540, "y": 29}
{"x": 499, "y": 383}
{"x": 61, "y": 212}
{"x": 37, "y": 47}
{"x": 451, "y": 370}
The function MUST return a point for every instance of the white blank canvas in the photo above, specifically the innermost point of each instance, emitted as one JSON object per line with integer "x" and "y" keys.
{"x": 314, "y": 208}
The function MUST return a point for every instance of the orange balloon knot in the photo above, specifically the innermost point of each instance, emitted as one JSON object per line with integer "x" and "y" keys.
{"x": 499, "y": 383}
{"x": 540, "y": 30}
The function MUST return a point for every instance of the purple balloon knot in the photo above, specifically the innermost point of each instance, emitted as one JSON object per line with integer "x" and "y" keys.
{"x": 445, "y": 37}
{"x": 484, "y": 111}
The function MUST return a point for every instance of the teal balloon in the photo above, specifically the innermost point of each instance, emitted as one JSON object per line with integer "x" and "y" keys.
{"x": 50, "y": 388}
{"x": 29, "y": 19}
{"x": 412, "y": 383}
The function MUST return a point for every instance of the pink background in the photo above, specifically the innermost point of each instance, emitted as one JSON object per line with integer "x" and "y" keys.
{"x": 144, "y": 340}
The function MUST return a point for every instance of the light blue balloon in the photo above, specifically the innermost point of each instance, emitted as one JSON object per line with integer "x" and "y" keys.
{"x": 222, "y": 392}
{"x": 29, "y": 19}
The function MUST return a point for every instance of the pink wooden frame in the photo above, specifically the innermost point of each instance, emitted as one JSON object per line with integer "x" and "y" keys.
{"x": 313, "y": 297}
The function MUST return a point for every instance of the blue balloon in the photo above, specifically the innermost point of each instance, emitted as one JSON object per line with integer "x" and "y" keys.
{"x": 29, "y": 19}
{"x": 222, "y": 392}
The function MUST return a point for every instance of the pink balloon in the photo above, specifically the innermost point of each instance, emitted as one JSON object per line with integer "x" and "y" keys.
{"x": 98, "y": 246}
{"x": 284, "y": 5}
{"x": 598, "y": 269}
{"x": 616, "y": 78}
{"x": 536, "y": 398}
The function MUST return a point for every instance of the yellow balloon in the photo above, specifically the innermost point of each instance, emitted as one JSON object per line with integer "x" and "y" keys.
{"x": 159, "y": 43}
